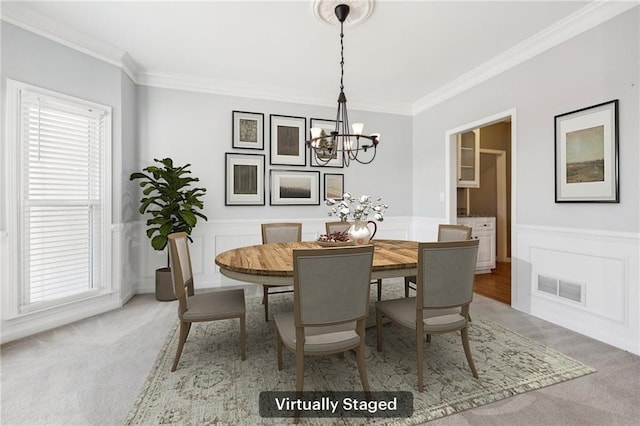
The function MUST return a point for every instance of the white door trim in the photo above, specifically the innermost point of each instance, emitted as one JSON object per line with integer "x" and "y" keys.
{"x": 451, "y": 181}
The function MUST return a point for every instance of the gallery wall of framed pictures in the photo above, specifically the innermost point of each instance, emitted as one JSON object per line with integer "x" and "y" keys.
{"x": 248, "y": 178}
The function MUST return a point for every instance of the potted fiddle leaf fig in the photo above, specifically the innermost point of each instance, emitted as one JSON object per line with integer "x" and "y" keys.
{"x": 174, "y": 205}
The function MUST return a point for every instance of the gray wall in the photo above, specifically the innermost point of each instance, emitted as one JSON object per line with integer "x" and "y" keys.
{"x": 35, "y": 60}
{"x": 594, "y": 67}
{"x": 195, "y": 128}
{"x": 129, "y": 152}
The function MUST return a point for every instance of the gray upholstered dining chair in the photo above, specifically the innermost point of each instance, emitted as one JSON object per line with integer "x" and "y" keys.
{"x": 338, "y": 226}
{"x": 278, "y": 233}
{"x": 444, "y": 292}
{"x": 209, "y": 306}
{"x": 331, "y": 300}
{"x": 445, "y": 233}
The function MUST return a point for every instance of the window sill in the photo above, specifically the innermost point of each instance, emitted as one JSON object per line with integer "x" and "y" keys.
{"x": 61, "y": 306}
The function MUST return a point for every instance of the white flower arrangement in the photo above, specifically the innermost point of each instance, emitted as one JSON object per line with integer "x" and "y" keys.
{"x": 351, "y": 209}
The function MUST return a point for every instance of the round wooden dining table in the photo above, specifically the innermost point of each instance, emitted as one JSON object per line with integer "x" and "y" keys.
{"x": 272, "y": 264}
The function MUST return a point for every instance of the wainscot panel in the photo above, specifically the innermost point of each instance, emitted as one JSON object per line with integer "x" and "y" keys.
{"x": 584, "y": 280}
{"x": 214, "y": 237}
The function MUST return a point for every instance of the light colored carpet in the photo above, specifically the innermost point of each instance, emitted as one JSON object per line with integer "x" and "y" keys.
{"x": 214, "y": 386}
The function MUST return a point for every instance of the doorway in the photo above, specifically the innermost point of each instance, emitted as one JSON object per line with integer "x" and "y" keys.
{"x": 493, "y": 197}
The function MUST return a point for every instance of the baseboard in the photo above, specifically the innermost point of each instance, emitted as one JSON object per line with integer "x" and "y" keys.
{"x": 43, "y": 321}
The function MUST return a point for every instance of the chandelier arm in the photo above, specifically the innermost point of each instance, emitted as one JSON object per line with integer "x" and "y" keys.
{"x": 345, "y": 135}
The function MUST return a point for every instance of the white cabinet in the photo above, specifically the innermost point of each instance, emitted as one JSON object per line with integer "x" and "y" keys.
{"x": 469, "y": 159}
{"x": 484, "y": 229}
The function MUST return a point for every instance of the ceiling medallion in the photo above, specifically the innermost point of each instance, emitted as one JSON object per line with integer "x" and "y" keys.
{"x": 359, "y": 11}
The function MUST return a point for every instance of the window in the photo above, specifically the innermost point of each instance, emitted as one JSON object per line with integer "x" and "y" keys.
{"x": 63, "y": 197}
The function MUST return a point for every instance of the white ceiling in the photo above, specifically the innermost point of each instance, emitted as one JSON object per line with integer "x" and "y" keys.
{"x": 405, "y": 53}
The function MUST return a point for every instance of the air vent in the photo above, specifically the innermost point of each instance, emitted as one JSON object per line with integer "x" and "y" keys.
{"x": 571, "y": 291}
{"x": 548, "y": 285}
{"x": 559, "y": 288}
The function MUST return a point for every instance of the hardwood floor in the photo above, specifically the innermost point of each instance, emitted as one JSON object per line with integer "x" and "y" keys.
{"x": 497, "y": 284}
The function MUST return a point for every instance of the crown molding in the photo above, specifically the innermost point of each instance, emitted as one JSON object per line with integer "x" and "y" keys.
{"x": 129, "y": 66}
{"x": 253, "y": 91}
{"x": 43, "y": 26}
{"x": 580, "y": 21}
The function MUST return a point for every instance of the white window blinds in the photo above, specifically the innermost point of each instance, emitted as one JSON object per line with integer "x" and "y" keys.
{"x": 62, "y": 214}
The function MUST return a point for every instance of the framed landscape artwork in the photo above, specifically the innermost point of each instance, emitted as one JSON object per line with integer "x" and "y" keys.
{"x": 333, "y": 186}
{"x": 325, "y": 158}
{"x": 244, "y": 179}
{"x": 294, "y": 188}
{"x": 248, "y": 130}
{"x": 287, "y": 140}
{"x": 586, "y": 154}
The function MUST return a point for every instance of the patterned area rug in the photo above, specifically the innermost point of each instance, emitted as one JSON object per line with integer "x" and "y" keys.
{"x": 212, "y": 385}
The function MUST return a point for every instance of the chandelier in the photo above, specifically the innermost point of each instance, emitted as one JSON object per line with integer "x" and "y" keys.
{"x": 346, "y": 143}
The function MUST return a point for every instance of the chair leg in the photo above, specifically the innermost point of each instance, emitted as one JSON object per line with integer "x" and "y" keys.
{"x": 265, "y": 300}
{"x": 362, "y": 368}
{"x": 420, "y": 353}
{"x": 406, "y": 287}
{"x": 379, "y": 329}
{"x": 428, "y": 338}
{"x": 184, "y": 332}
{"x": 243, "y": 338}
{"x": 279, "y": 349}
{"x": 379, "y": 285}
{"x": 467, "y": 351}
{"x": 299, "y": 370}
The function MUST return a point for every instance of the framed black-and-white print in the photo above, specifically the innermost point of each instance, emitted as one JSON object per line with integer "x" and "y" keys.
{"x": 324, "y": 157}
{"x": 586, "y": 155}
{"x": 333, "y": 186}
{"x": 287, "y": 140}
{"x": 244, "y": 179}
{"x": 295, "y": 188}
{"x": 248, "y": 130}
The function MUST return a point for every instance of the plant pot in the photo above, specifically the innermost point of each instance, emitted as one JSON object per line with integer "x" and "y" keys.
{"x": 164, "y": 285}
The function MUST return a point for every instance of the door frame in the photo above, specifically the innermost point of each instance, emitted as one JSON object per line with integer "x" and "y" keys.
{"x": 451, "y": 158}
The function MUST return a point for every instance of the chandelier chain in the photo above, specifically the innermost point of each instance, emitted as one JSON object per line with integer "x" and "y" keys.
{"x": 341, "y": 57}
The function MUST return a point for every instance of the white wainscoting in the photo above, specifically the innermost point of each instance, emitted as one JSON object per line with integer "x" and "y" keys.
{"x": 604, "y": 265}
{"x": 216, "y": 236}
{"x": 426, "y": 228}
{"x": 18, "y": 326}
